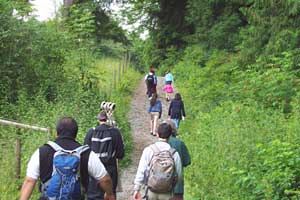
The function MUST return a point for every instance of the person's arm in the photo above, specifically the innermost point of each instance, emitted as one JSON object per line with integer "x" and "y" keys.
{"x": 143, "y": 164}
{"x": 170, "y": 107}
{"x": 88, "y": 137}
{"x": 119, "y": 145}
{"x": 182, "y": 108}
{"x": 160, "y": 109}
{"x": 137, "y": 195}
{"x": 149, "y": 109}
{"x": 27, "y": 188}
{"x": 106, "y": 184}
{"x": 97, "y": 170}
{"x": 32, "y": 174}
{"x": 178, "y": 166}
{"x": 155, "y": 80}
{"x": 186, "y": 158}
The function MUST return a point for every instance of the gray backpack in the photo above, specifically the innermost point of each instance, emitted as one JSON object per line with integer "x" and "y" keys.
{"x": 161, "y": 174}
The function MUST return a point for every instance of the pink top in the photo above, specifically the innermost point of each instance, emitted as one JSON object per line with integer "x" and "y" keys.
{"x": 168, "y": 88}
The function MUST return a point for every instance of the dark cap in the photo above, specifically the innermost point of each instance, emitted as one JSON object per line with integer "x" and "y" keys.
{"x": 102, "y": 116}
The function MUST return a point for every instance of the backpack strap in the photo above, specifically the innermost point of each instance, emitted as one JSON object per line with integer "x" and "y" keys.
{"x": 55, "y": 146}
{"x": 172, "y": 151}
{"x": 81, "y": 149}
{"x": 78, "y": 150}
{"x": 155, "y": 149}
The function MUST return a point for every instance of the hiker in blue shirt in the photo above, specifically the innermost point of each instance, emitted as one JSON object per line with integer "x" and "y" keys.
{"x": 155, "y": 110}
{"x": 168, "y": 78}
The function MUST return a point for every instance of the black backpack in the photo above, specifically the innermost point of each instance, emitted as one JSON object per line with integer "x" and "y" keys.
{"x": 150, "y": 80}
{"x": 102, "y": 145}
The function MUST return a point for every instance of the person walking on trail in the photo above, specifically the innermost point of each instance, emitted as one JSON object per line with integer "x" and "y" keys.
{"x": 107, "y": 143}
{"x": 65, "y": 157}
{"x": 176, "y": 110}
{"x": 151, "y": 82}
{"x": 155, "y": 110}
{"x": 159, "y": 168}
{"x": 185, "y": 157}
{"x": 168, "y": 78}
{"x": 168, "y": 90}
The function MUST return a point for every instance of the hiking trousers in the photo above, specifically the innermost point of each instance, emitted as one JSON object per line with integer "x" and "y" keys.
{"x": 159, "y": 196}
{"x": 177, "y": 122}
{"x": 153, "y": 122}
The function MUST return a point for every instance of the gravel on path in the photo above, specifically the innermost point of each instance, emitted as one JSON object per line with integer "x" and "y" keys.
{"x": 140, "y": 126}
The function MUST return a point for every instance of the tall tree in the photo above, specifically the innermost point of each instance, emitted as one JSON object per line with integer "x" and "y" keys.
{"x": 166, "y": 22}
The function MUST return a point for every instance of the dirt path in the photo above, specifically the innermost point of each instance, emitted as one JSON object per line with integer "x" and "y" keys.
{"x": 139, "y": 121}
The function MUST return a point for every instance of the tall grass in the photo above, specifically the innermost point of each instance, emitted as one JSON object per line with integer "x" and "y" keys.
{"x": 73, "y": 100}
{"x": 231, "y": 135}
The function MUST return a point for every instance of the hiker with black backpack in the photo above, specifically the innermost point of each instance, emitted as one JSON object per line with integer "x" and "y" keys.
{"x": 151, "y": 82}
{"x": 63, "y": 166}
{"x": 107, "y": 143}
{"x": 159, "y": 168}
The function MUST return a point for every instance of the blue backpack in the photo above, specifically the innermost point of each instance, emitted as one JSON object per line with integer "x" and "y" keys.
{"x": 65, "y": 182}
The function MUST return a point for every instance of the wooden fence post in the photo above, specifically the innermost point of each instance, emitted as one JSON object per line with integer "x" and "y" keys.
{"x": 124, "y": 63}
{"x": 18, "y": 155}
{"x": 119, "y": 72}
{"x": 18, "y": 141}
{"x": 115, "y": 78}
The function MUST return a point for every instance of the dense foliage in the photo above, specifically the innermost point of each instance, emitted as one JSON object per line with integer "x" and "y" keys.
{"x": 53, "y": 69}
{"x": 238, "y": 72}
{"x": 235, "y": 63}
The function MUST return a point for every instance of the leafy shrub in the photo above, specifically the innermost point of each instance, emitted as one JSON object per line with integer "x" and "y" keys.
{"x": 273, "y": 173}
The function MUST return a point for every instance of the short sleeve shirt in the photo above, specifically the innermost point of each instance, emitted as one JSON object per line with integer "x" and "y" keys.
{"x": 95, "y": 167}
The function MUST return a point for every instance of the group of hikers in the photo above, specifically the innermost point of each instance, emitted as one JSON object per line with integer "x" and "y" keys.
{"x": 70, "y": 171}
{"x": 63, "y": 166}
{"x": 161, "y": 164}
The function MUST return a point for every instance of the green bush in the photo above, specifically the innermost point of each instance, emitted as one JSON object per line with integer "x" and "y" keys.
{"x": 226, "y": 121}
{"x": 273, "y": 173}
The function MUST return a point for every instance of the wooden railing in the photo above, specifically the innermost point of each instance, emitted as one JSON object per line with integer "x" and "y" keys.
{"x": 18, "y": 140}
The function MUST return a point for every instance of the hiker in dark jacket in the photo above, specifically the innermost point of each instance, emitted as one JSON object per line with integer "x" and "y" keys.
{"x": 185, "y": 157}
{"x": 155, "y": 110}
{"x": 176, "y": 110}
{"x": 107, "y": 143}
{"x": 151, "y": 82}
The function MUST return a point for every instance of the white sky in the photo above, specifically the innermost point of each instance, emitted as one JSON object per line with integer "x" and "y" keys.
{"x": 46, "y": 9}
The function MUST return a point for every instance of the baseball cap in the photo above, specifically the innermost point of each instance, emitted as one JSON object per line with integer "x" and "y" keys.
{"x": 102, "y": 116}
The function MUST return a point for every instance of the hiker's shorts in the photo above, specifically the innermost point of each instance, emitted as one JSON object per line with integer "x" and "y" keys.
{"x": 154, "y": 115}
{"x": 158, "y": 196}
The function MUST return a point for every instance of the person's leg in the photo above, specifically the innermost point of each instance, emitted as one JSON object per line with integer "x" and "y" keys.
{"x": 176, "y": 123}
{"x": 151, "y": 123}
{"x": 113, "y": 172}
{"x": 155, "y": 123}
{"x": 94, "y": 191}
{"x": 149, "y": 91}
